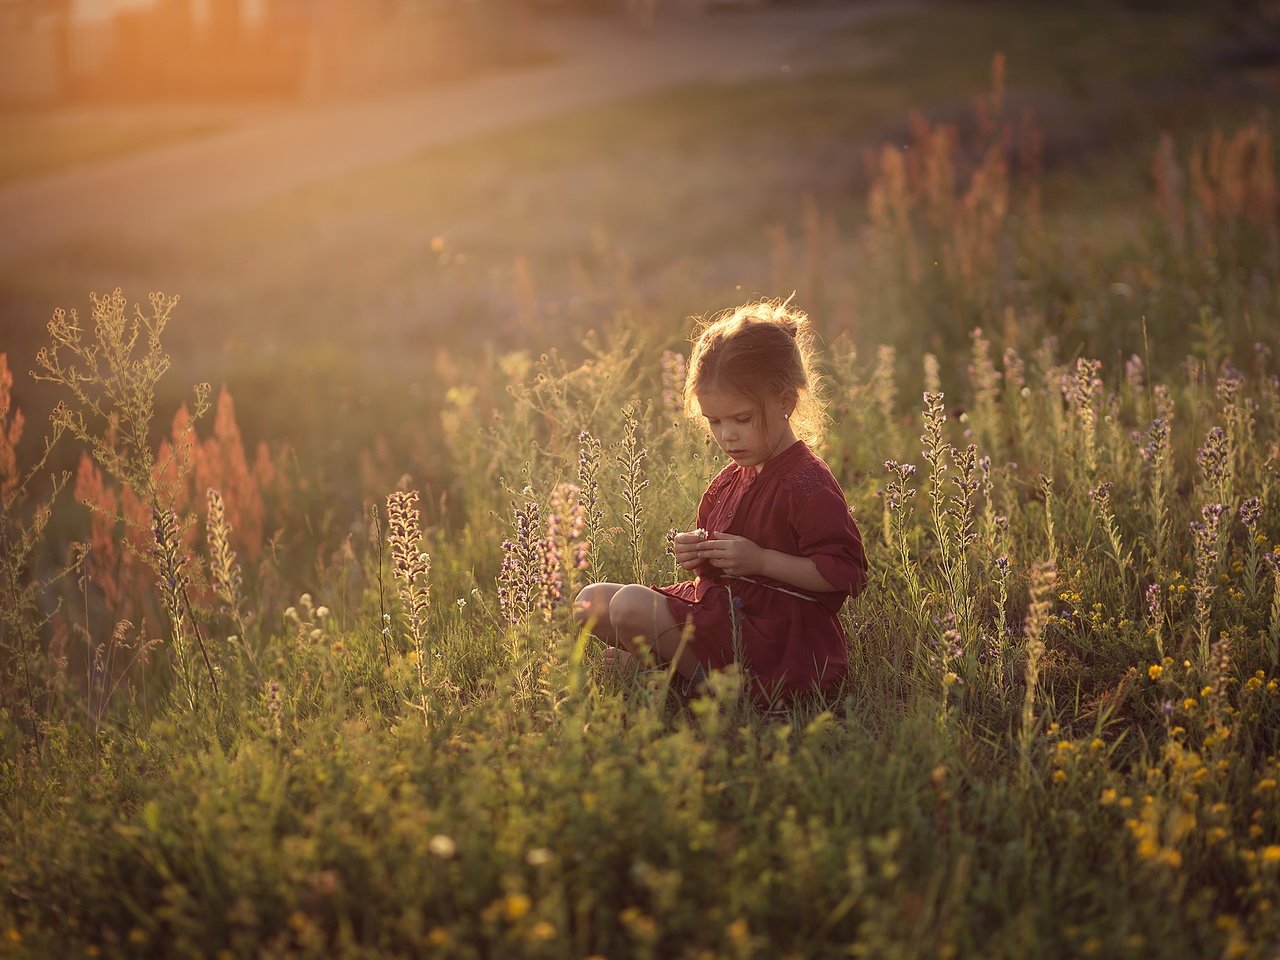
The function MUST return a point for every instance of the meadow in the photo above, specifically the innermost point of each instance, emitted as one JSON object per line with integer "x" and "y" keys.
{"x": 293, "y": 699}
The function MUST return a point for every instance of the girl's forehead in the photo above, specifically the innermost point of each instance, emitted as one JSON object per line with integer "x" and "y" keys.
{"x": 715, "y": 401}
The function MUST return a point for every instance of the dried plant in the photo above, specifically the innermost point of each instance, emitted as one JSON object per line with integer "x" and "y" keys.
{"x": 1043, "y": 577}
{"x": 589, "y": 504}
{"x": 521, "y": 580}
{"x": 631, "y": 457}
{"x": 411, "y": 567}
{"x": 224, "y": 571}
{"x": 112, "y": 380}
{"x": 1206, "y": 542}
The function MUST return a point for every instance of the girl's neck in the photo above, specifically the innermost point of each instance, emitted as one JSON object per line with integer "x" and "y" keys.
{"x": 785, "y": 442}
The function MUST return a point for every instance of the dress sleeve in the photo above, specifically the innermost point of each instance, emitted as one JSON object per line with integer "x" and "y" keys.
{"x": 827, "y": 534}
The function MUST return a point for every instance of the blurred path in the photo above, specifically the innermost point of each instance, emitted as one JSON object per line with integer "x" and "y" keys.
{"x": 271, "y": 153}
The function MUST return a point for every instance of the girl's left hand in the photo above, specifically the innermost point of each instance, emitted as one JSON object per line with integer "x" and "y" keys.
{"x": 736, "y": 556}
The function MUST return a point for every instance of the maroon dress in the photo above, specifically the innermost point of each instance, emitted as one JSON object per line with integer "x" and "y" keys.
{"x": 789, "y": 640}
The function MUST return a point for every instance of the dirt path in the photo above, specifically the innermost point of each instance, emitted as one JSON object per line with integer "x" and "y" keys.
{"x": 598, "y": 61}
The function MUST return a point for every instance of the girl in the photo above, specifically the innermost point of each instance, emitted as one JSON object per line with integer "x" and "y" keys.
{"x": 776, "y": 551}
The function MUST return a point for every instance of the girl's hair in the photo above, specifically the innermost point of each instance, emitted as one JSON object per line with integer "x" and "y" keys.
{"x": 762, "y": 350}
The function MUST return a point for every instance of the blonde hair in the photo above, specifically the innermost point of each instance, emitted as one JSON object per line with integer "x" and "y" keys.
{"x": 761, "y": 350}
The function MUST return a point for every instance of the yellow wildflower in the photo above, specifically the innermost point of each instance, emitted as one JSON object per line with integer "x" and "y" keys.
{"x": 1154, "y": 671}
{"x": 439, "y": 936}
{"x": 1059, "y": 776}
{"x": 542, "y": 930}
{"x": 516, "y": 906}
{"x": 1189, "y": 703}
{"x": 1271, "y": 853}
{"x": 1097, "y": 743}
{"x": 1265, "y": 784}
{"x": 738, "y": 932}
{"x": 1108, "y": 796}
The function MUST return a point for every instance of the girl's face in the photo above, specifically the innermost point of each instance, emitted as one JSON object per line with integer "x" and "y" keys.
{"x": 737, "y": 426}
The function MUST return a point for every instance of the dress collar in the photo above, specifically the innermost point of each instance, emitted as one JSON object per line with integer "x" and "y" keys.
{"x": 785, "y": 454}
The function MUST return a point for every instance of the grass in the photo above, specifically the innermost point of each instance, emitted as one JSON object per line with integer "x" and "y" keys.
{"x": 1060, "y": 733}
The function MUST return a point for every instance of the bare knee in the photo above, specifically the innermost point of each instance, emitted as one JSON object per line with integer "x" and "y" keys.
{"x": 592, "y": 603}
{"x": 633, "y": 612}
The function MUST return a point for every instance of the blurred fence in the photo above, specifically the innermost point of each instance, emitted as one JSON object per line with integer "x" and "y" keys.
{"x": 248, "y": 48}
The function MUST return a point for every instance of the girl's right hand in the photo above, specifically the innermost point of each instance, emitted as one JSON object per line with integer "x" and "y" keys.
{"x": 688, "y": 548}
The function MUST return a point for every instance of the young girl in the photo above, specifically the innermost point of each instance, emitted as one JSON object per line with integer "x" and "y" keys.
{"x": 776, "y": 551}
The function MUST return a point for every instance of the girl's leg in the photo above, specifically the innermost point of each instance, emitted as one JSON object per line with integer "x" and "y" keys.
{"x": 591, "y": 606}
{"x": 640, "y": 616}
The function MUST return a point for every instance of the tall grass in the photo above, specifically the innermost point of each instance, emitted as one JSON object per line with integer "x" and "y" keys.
{"x": 1059, "y": 735}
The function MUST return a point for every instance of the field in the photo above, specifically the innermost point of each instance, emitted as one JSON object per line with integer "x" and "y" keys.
{"x": 286, "y": 663}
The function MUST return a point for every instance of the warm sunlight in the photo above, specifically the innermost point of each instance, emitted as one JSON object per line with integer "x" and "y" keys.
{"x": 657, "y": 479}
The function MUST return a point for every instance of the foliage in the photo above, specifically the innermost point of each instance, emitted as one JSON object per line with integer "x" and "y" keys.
{"x": 1059, "y": 735}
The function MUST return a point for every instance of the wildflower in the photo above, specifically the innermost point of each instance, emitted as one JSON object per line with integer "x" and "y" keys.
{"x": 516, "y": 905}
{"x": 674, "y": 374}
{"x": 275, "y": 707}
{"x": 442, "y": 846}
{"x": 1265, "y": 784}
{"x": 1133, "y": 372}
{"x": 410, "y": 564}
{"x": 1156, "y": 449}
{"x": 543, "y": 931}
{"x": 1213, "y": 459}
{"x": 738, "y": 932}
{"x": 1096, "y": 744}
{"x": 1059, "y": 776}
{"x": 1154, "y": 671}
{"x": 1271, "y": 853}
{"x": 1250, "y": 512}
{"x": 539, "y": 857}
{"x": 1108, "y": 797}
{"x": 439, "y": 937}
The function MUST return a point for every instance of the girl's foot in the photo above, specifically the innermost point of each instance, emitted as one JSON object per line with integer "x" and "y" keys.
{"x": 619, "y": 660}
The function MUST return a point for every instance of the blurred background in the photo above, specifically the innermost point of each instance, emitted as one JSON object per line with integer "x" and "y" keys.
{"x": 363, "y": 202}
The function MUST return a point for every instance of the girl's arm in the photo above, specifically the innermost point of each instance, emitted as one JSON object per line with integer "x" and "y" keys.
{"x": 739, "y": 556}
